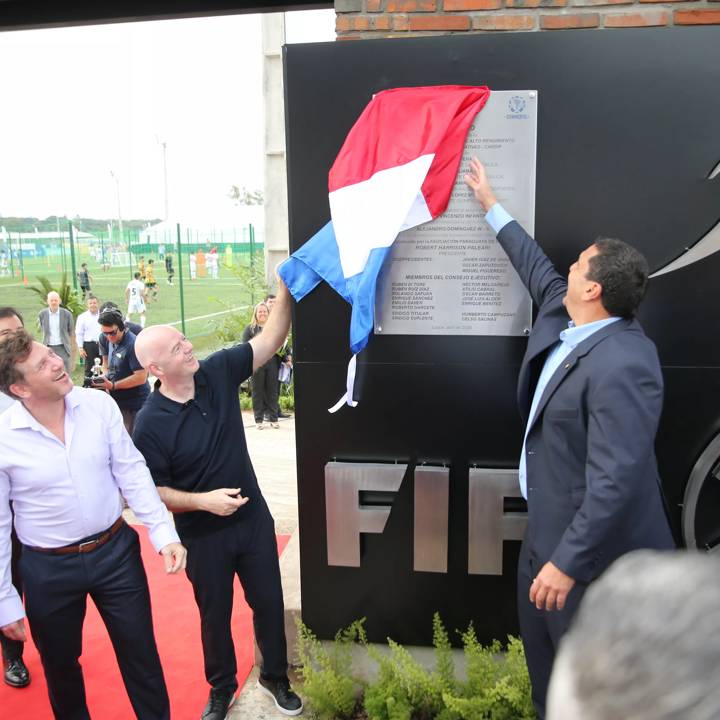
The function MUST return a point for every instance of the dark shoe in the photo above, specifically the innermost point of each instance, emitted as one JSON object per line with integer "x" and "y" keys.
{"x": 284, "y": 415}
{"x": 16, "y": 674}
{"x": 286, "y": 701}
{"x": 218, "y": 704}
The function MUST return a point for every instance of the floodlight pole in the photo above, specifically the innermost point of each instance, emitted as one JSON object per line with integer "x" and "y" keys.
{"x": 180, "y": 279}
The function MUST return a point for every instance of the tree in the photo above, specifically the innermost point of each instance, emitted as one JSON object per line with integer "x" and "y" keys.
{"x": 243, "y": 196}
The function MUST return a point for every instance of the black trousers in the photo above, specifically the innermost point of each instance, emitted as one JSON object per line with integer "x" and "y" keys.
{"x": 265, "y": 390}
{"x": 56, "y": 591}
{"x": 541, "y": 630}
{"x": 247, "y": 548}
{"x": 13, "y": 649}
{"x": 92, "y": 351}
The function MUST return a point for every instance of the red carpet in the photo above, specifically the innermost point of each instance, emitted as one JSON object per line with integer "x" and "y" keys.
{"x": 177, "y": 631}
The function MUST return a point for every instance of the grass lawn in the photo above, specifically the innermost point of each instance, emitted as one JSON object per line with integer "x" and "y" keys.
{"x": 207, "y": 301}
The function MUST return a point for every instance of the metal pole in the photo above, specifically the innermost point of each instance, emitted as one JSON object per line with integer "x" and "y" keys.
{"x": 12, "y": 263}
{"x": 22, "y": 267}
{"x": 164, "y": 147}
{"x": 252, "y": 246}
{"x": 180, "y": 272}
{"x": 72, "y": 255}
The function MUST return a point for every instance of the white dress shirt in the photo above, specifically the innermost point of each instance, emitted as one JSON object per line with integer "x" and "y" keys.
{"x": 87, "y": 328}
{"x": 54, "y": 337}
{"x": 62, "y": 493}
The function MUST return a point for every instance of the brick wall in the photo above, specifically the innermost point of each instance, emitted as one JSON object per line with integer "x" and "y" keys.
{"x": 357, "y": 19}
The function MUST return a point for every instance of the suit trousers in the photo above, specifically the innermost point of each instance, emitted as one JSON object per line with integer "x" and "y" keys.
{"x": 265, "y": 390}
{"x": 246, "y": 548}
{"x": 92, "y": 351}
{"x": 13, "y": 649}
{"x": 56, "y": 591}
{"x": 541, "y": 630}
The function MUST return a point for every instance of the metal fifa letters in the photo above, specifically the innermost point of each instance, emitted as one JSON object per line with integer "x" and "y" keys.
{"x": 488, "y": 523}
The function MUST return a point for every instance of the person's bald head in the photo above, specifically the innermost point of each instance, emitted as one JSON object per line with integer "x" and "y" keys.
{"x": 166, "y": 353}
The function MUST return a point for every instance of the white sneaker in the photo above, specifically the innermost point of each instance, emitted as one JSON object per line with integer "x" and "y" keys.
{"x": 259, "y": 426}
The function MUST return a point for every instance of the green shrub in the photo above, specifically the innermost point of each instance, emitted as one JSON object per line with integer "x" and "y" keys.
{"x": 404, "y": 690}
{"x": 327, "y": 685}
{"x": 497, "y": 685}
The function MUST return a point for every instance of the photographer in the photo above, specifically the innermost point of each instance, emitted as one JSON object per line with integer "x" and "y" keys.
{"x": 124, "y": 378}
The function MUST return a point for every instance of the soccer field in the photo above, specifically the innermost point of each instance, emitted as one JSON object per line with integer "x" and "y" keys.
{"x": 207, "y": 301}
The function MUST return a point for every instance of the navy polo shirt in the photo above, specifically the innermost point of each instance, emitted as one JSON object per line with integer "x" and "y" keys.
{"x": 200, "y": 445}
{"x": 122, "y": 363}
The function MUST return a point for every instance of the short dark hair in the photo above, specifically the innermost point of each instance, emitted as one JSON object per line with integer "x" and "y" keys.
{"x": 137, "y": 275}
{"x": 622, "y": 271}
{"x": 112, "y": 317}
{"x": 108, "y": 305}
{"x": 90, "y": 296}
{"x": 15, "y": 349}
{"x": 7, "y": 312}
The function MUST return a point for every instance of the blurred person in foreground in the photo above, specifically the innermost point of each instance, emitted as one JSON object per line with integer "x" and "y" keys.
{"x": 191, "y": 434}
{"x": 645, "y": 643}
{"x": 64, "y": 454}
{"x": 15, "y": 672}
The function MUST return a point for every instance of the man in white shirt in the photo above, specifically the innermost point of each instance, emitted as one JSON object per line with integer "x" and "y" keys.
{"x": 135, "y": 293}
{"x": 64, "y": 457}
{"x": 56, "y": 324}
{"x": 87, "y": 332}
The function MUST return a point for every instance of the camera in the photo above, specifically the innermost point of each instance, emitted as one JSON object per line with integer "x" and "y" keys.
{"x": 97, "y": 380}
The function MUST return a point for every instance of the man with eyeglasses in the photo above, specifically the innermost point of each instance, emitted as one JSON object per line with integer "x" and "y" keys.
{"x": 123, "y": 378}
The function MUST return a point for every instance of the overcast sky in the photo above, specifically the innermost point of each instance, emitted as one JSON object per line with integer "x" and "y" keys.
{"x": 82, "y": 102}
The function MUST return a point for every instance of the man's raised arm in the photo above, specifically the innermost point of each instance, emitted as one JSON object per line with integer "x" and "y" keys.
{"x": 271, "y": 339}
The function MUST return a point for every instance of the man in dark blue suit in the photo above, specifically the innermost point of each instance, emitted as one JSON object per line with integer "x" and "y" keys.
{"x": 590, "y": 393}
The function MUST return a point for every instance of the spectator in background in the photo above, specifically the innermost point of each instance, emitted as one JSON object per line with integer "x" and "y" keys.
{"x": 4, "y": 269}
{"x": 87, "y": 332}
{"x": 84, "y": 278}
{"x": 150, "y": 282}
{"x": 169, "y": 268}
{"x": 135, "y": 293}
{"x": 124, "y": 378}
{"x": 193, "y": 265}
{"x": 645, "y": 643}
{"x": 15, "y": 672}
{"x": 284, "y": 356}
{"x": 141, "y": 267}
{"x": 264, "y": 383}
{"x": 56, "y": 324}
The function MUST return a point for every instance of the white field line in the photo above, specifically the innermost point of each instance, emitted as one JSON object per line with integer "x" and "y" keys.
{"x": 215, "y": 314}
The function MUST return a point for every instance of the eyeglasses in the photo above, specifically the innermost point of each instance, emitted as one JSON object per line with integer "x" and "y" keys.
{"x": 110, "y": 333}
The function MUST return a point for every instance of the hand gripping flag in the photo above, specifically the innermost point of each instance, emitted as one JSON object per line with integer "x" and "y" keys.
{"x": 395, "y": 171}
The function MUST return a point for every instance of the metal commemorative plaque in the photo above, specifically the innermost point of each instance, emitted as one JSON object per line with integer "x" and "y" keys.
{"x": 450, "y": 276}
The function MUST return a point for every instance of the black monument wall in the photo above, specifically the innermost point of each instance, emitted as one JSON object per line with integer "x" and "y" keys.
{"x": 628, "y": 133}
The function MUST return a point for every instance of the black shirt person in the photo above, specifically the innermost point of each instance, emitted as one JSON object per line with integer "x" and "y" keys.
{"x": 191, "y": 434}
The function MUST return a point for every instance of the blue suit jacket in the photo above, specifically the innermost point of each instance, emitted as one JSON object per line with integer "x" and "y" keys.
{"x": 593, "y": 487}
